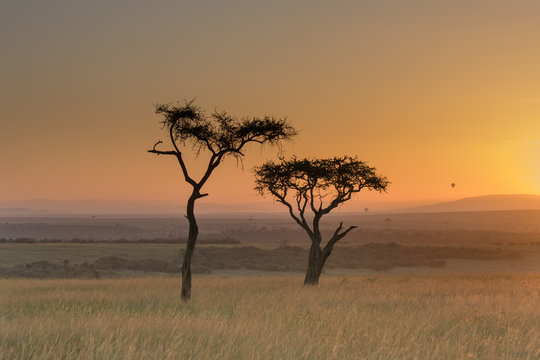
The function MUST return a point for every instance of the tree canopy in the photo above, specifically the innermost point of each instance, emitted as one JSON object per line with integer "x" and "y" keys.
{"x": 321, "y": 184}
{"x": 220, "y": 133}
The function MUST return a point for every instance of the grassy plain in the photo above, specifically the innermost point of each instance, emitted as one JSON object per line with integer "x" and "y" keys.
{"x": 357, "y": 317}
{"x": 468, "y": 309}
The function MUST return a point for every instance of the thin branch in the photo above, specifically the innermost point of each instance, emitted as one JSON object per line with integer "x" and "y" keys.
{"x": 185, "y": 171}
{"x": 171, "y": 135}
{"x": 215, "y": 160}
{"x": 303, "y": 208}
{"x": 311, "y": 200}
{"x": 335, "y": 238}
{"x": 156, "y": 144}
{"x": 282, "y": 199}
{"x": 158, "y": 152}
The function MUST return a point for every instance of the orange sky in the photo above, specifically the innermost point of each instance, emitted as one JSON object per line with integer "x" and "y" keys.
{"x": 429, "y": 92}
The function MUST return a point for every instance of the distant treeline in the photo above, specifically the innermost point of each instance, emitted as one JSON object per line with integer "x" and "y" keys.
{"x": 218, "y": 241}
{"x": 26, "y": 240}
{"x": 413, "y": 236}
{"x": 378, "y": 257}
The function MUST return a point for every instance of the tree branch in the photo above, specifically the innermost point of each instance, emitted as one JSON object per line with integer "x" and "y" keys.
{"x": 215, "y": 160}
{"x": 283, "y": 199}
{"x": 178, "y": 154}
{"x": 156, "y": 144}
{"x": 335, "y": 238}
{"x": 171, "y": 135}
{"x": 301, "y": 203}
{"x": 158, "y": 152}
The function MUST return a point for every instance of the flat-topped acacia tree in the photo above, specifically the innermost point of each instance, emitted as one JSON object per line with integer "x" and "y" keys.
{"x": 220, "y": 135}
{"x": 319, "y": 186}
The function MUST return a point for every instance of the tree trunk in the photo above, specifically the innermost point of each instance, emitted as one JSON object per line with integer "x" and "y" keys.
{"x": 190, "y": 248}
{"x": 315, "y": 263}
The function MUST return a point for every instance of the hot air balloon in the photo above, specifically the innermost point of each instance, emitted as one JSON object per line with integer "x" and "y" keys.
{"x": 453, "y": 185}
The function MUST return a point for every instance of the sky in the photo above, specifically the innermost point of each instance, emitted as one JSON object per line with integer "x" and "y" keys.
{"x": 429, "y": 92}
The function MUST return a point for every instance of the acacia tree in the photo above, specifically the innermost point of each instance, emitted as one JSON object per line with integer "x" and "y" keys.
{"x": 319, "y": 185}
{"x": 219, "y": 134}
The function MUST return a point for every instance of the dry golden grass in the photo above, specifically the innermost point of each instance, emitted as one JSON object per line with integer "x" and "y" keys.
{"x": 361, "y": 317}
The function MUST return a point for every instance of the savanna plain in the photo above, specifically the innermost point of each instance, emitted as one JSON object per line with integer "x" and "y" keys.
{"x": 463, "y": 290}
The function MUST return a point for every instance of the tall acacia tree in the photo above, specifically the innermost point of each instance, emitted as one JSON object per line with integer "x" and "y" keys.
{"x": 319, "y": 185}
{"x": 220, "y": 135}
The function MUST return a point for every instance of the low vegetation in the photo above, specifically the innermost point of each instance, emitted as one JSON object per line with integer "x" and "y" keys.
{"x": 27, "y": 240}
{"x": 379, "y": 257}
{"x": 362, "y": 317}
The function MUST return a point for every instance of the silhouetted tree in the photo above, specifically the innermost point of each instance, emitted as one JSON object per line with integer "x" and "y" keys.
{"x": 319, "y": 185}
{"x": 222, "y": 136}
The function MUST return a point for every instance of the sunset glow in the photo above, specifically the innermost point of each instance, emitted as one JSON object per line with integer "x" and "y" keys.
{"x": 430, "y": 93}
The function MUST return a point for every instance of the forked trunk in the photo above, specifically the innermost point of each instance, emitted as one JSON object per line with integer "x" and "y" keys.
{"x": 315, "y": 263}
{"x": 190, "y": 248}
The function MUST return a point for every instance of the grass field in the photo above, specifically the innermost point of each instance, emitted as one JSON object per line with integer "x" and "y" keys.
{"x": 357, "y": 317}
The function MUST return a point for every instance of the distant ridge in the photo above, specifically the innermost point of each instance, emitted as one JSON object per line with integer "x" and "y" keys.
{"x": 49, "y": 207}
{"x": 485, "y": 203}
{"x": 14, "y": 210}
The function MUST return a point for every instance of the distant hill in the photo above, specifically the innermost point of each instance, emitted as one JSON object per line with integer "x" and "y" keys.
{"x": 485, "y": 203}
{"x": 84, "y": 206}
{"x": 49, "y": 207}
{"x": 14, "y": 210}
